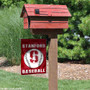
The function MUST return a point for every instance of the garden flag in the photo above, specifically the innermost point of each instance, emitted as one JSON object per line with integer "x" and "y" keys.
{"x": 33, "y": 56}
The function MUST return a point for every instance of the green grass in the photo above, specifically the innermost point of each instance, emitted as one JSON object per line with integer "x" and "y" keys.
{"x": 11, "y": 80}
{"x": 11, "y": 31}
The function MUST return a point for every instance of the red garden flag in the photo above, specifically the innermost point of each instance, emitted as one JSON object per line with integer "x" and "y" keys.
{"x": 33, "y": 56}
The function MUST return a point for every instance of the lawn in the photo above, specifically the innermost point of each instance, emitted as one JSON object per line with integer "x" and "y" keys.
{"x": 12, "y": 80}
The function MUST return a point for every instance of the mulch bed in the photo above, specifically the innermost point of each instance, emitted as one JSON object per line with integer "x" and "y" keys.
{"x": 65, "y": 70}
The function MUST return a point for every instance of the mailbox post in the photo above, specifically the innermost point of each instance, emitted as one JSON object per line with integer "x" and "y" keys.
{"x": 47, "y": 20}
{"x": 53, "y": 80}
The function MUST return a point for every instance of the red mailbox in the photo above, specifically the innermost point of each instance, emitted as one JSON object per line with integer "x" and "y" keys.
{"x": 45, "y": 19}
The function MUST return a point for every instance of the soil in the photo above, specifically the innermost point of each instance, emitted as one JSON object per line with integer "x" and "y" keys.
{"x": 65, "y": 70}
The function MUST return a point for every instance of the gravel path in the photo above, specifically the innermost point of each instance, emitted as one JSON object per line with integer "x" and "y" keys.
{"x": 65, "y": 71}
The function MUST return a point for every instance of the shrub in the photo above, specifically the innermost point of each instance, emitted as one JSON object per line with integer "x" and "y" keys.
{"x": 85, "y": 28}
{"x": 70, "y": 47}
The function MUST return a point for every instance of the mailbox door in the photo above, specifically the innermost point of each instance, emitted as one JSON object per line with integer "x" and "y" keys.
{"x": 25, "y": 20}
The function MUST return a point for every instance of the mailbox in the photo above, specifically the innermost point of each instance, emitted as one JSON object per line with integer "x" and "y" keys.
{"x": 45, "y": 19}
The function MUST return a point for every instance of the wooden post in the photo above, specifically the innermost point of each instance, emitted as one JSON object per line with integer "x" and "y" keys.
{"x": 53, "y": 80}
